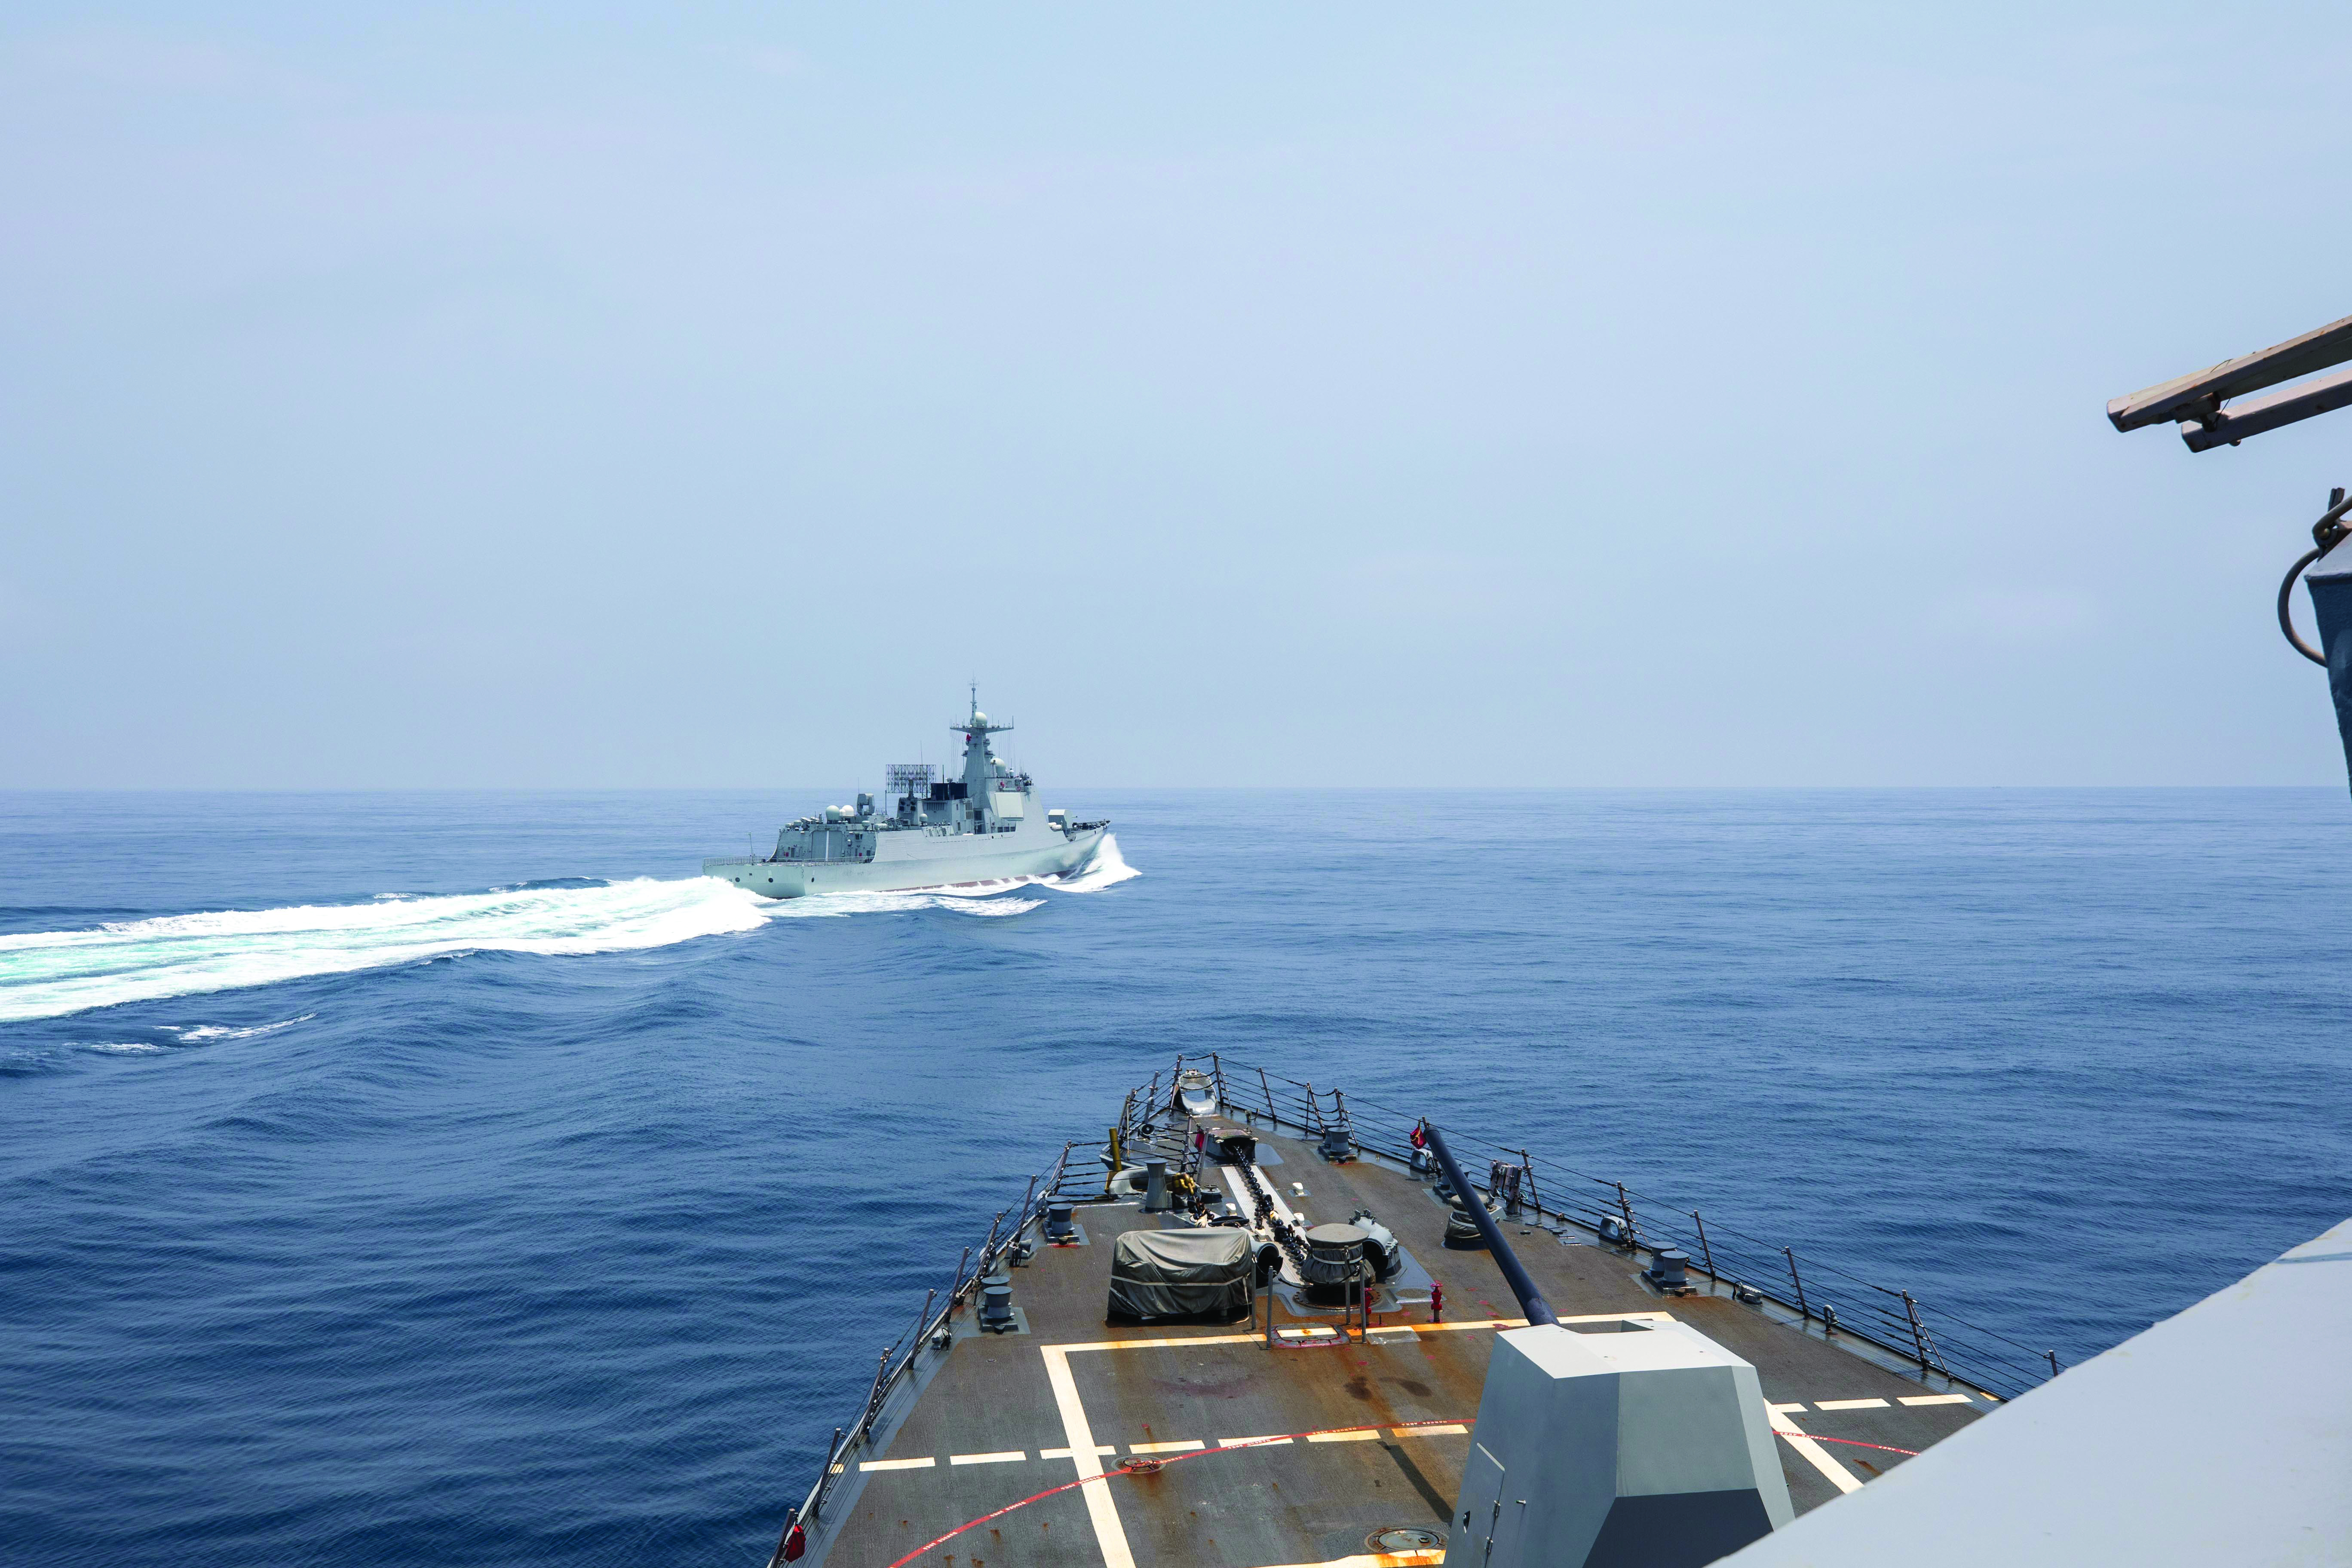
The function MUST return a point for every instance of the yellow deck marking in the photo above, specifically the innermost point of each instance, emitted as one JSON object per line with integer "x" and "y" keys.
{"x": 925, "y": 1463}
{"x": 1839, "y": 1476}
{"x": 1110, "y": 1539}
{"x": 1446, "y": 1429}
{"x": 1343, "y": 1437}
{"x": 1165, "y": 1447}
{"x": 1849, "y": 1405}
{"x": 1934, "y": 1399}
{"x": 1154, "y": 1344}
{"x": 1010, "y": 1457}
{"x": 1466, "y": 1325}
{"x": 1376, "y": 1560}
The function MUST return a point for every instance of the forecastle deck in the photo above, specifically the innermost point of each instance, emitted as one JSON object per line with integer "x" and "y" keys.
{"x": 1308, "y": 1450}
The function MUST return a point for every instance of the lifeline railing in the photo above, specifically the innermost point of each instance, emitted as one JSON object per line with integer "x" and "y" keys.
{"x": 1894, "y": 1321}
{"x": 900, "y": 1357}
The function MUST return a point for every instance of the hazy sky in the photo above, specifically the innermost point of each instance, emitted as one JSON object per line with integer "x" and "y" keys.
{"x": 1242, "y": 394}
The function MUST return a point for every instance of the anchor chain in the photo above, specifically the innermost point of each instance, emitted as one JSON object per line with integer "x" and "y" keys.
{"x": 1286, "y": 1234}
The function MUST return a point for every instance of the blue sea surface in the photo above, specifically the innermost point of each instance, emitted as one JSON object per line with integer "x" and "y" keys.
{"x": 454, "y": 1178}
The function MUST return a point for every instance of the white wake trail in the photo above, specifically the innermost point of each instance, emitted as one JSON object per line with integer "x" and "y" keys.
{"x": 48, "y": 974}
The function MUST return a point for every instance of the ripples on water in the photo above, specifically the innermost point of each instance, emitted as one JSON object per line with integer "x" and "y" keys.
{"x": 526, "y": 1202}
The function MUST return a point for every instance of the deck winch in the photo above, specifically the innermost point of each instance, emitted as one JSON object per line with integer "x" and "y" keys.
{"x": 1381, "y": 1250}
{"x": 1335, "y": 1255}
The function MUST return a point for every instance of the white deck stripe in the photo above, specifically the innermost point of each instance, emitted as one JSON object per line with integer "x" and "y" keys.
{"x": 1165, "y": 1447}
{"x": 925, "y": 1463}
{"x": 1343, "y": 1437}
{"x": 1249, "y": 1442}
{"x": 1065, "y": 1453}
{"x": 1783, "y": 1409}
{"x": 1010, "y": 1457}
{"x": 1849, "y": 1405}
{"x": 1839, "y": 1476}
{"x": 1444, "y": 1429}
{"x": 1101, "y": 1511}
{"x": 1234, "y": 1183}
{"x": 1275, "y": 1188}
{"x": 1934, "y": 1399}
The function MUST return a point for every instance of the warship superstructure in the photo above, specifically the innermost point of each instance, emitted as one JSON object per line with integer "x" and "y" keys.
{"x": 984, "y": 825}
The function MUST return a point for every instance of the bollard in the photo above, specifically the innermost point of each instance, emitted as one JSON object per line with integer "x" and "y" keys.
{"x": 1669, "y": 1269}
{"x": 996, "y": 1304}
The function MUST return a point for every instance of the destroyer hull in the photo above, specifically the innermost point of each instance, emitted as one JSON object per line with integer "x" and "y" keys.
{"x": 952, "y": 865}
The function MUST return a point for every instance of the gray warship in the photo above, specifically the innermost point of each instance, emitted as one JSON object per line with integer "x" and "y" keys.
{"x": 1160, "y": 1357}
{"x": 926, "y": 832}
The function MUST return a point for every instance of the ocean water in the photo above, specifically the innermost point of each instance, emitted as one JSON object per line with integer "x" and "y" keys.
{"x": 447, "y": 1178}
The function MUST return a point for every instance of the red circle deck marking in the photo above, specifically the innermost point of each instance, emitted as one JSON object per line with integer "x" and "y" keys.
{"x": 1171, "y": 1460}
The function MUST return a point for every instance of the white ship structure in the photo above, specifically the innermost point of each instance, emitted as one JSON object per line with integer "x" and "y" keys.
{"x": 926, "y": 832}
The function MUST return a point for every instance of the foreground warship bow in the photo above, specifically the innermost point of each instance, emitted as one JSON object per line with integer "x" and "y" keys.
{"x": 1274, "y": 1325}
{"x": 1182, "y": 1355}
{"x": 984, "y": 827}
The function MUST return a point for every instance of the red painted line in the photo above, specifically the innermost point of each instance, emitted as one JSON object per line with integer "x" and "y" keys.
{"x": 1858, "y": 1443}
{"x": 1162, "y": 1462}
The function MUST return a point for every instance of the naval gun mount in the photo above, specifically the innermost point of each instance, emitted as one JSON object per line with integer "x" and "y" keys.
{"x": 1648, "y": 1444}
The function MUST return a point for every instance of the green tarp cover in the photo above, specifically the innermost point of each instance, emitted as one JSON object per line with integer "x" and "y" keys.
{"x": 1164, "y": 1273}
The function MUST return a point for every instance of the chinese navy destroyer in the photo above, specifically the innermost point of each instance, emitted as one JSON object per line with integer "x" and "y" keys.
{"x": 927, "y": 832}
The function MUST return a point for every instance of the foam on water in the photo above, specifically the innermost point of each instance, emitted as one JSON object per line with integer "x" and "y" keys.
{"x": 46, "y": 975}
{"x": 193, "y": 1033}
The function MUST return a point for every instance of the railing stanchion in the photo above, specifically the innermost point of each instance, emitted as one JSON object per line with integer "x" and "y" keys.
{"x": 1802, "y": 1310}
{"x": 1704, "y": 1250}
{"x": 955, "y": 1285}
{"x": 922, "y": 1324}
{"x": 874, "y": 1399}
{"x": 1918, "y": 1335}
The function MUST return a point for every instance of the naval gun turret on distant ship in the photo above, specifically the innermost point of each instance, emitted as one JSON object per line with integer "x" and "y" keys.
{"x": 926, "y": 832}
